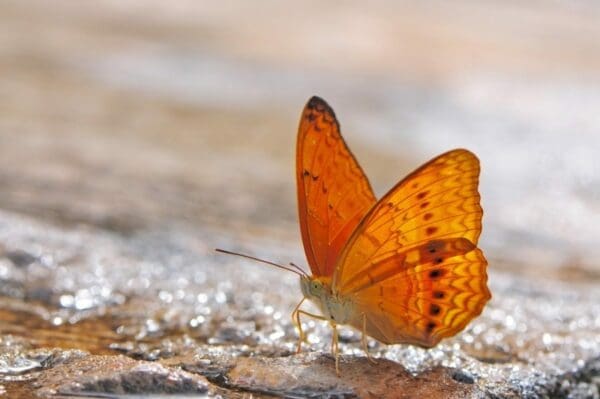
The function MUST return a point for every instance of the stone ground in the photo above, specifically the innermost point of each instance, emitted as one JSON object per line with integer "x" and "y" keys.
{"x": 135, "y": 137}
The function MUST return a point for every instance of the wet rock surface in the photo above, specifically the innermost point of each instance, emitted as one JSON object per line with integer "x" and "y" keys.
{"x": 131, "y": 146}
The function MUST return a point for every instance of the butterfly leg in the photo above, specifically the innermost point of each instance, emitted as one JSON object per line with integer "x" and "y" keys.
{"x": 296, "y": 321}
{"x": 298, "y": 312}
{"x": 364, "y": 340}
{"x": 334, "y": 342}
{"x": 335, "y": 349}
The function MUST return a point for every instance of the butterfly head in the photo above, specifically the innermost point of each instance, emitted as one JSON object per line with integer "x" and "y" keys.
{"x": 314, "y": 287}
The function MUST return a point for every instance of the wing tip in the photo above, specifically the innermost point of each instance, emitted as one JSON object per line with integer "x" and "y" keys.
{"x": 465, "y": 152}
{"x": 320, "y": 105}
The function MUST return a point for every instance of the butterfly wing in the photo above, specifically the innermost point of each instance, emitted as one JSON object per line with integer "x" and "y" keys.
{"x": 333, "y": 191}
{"x": 412, "y": 267}
{"x": 414, "y": 307}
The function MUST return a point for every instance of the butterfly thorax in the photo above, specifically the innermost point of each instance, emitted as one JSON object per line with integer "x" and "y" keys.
{"x": 333, "y": 307}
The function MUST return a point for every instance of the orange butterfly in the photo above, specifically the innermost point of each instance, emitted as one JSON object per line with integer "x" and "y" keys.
{"x": 404, "y": 269}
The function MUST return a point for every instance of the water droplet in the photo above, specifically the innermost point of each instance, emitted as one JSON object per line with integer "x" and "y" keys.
{"x": 165, "y": 296}
{"x": 220, "y": 297}
{"x": 152, "y": 326}
{"x": 546, "y": 339}
{"x": 84, "y": 299}
{"x": 197, "y": 321}
{"x": 67, "y": 301}
{"x": 202, "y": 298}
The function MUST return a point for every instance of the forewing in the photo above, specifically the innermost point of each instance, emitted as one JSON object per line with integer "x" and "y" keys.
{"x": 333, "y": 191}
{"x": 419, "y": 240}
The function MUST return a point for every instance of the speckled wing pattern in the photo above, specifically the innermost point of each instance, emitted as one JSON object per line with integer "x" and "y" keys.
{"x": 333, "y": 192}
{"x": 412, "y": 267}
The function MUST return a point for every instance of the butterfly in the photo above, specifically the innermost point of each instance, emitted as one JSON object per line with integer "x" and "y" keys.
{"x": 402, "y": 269}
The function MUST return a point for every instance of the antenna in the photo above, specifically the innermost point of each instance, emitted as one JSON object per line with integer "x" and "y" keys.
{"x": 296, "y": 269}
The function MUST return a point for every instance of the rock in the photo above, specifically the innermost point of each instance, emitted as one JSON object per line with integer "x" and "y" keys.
{"x": 315, "y": 376}
{"x": 118, "y": 375}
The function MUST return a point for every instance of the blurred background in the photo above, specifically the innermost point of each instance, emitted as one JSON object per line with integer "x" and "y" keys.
{"x": 132, "y": 114}
{"x": 136, "y": 136}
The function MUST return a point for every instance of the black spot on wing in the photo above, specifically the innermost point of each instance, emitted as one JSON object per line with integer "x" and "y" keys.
{"x": 430, "y": 326}
{"x": 439, "y": 294}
